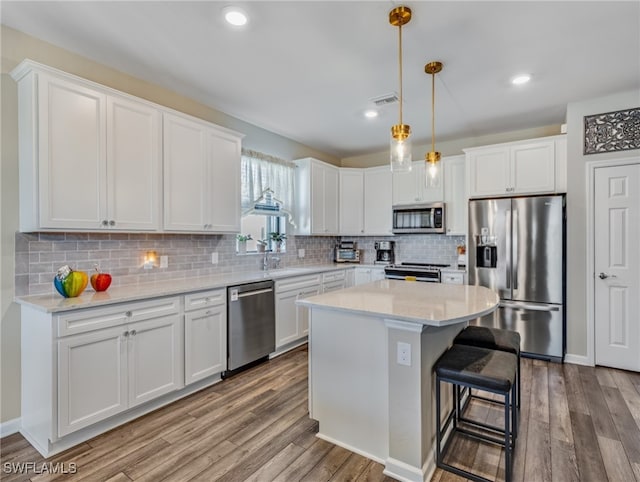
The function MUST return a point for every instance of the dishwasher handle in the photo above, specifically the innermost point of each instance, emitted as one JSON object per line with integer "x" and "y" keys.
{"x": 256, "y": 292}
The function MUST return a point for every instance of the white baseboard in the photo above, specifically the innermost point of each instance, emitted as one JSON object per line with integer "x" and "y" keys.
{"x": 578, "y": 360}
{"x": 10, "y": 427}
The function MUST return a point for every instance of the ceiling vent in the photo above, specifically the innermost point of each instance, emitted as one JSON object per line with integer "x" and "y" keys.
{"x": 385, "y": 99}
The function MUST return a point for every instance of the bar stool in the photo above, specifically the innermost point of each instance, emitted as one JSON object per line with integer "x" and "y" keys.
{"x": 483, "y": 369}
{"x": 493, "y": 339}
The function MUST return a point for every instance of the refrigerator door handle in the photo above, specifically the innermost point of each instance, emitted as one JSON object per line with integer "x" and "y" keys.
{"x": 508, "y": 235}
{"x": 515, "y": 249}
{"x": 521, "y": 306}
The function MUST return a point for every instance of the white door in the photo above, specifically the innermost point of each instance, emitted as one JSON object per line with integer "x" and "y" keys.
{"x": 133, "y": 165}
{"x": 455, "y": 197}
{"x": 489, "y": 172}
{"x": 205, "y": 341}
{"x": 617, "y": 266}
{"x": 71, "y": 155}
{"x": 533, "y": 167}
{"x": 92, "y": 378}
{"x": 351, "y": 202}
{"x": 185, "y": 175}
{"x": 156, "y": 360}
{"x": 318, "y": 225}
{"x": 224, "y": 178}
{"x": 377, "y": 200}
{"x": 286, "y": 317}
{"x": 331, "y": 200}
{"x": 302, "y": 314}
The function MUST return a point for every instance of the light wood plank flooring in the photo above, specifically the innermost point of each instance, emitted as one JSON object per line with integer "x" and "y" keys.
{"x": 578, "y": 424}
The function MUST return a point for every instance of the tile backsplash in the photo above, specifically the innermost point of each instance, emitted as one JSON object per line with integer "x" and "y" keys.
{"x": 39, "y": 255}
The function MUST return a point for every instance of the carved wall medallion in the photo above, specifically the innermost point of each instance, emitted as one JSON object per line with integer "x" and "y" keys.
{"x": 612, "y": 131}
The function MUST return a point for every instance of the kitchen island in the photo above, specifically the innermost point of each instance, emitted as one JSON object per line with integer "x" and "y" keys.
{"x": 371, "y": 352}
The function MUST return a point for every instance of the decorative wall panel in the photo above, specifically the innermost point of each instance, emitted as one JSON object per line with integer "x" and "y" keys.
{"x": 612, "y": 131}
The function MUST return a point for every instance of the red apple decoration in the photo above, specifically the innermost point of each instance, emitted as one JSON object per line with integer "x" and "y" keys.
{"x": 100, "y": 281}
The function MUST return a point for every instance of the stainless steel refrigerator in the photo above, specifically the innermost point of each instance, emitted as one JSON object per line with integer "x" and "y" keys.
{"x": 517, "y": 248}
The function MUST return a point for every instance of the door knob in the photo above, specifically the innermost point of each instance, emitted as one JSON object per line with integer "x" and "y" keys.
{"x": 605, "y": 276}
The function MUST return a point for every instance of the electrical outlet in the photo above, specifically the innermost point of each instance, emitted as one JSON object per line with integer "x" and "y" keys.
{"x": 301, "y": 253}
{"x": 214, "y": 258}
{"x": 164, "y": 261}
{"x": 404, "y": 354}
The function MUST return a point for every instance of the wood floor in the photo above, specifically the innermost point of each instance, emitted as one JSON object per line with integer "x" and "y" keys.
{"x": 578, "y": 424}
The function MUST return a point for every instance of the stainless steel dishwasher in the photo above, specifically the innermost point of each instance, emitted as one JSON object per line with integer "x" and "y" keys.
{"x": 251, "y": 324}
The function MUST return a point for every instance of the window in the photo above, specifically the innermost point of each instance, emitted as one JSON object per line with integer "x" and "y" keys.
{"x": 259, "y": 173}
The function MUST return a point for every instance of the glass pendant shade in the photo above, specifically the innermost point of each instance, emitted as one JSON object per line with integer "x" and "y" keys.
{"x": 400, "y": 148}
{"x": 433, "y": 175}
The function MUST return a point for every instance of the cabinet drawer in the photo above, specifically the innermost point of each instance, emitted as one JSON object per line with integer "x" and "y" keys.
{"x": 334, "y": 286}
{"x": 296, "y": 283}
{"x": 453, "y": 278}
{"x": 205, "y": 299}
{"x": 96, "y": 318}
{"x": 333, "y": 276}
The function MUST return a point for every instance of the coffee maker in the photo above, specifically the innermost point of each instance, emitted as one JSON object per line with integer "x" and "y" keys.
{"x": 384, "y": 252}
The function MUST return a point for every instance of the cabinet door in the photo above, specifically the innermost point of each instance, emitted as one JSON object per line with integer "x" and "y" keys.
{"x": 71, "y": 155}
{"x": 377, "y": 200}
{"x": 185, "y": 175}
{"x": 286, "y": 317}
{"x": 455, "y": 197}
{"x": 377, "y": 274}
{"x": 331, "y": 200}
{"x": 404, "y": 187}
{"x": 156, "y": 358}
{"x": 317, "y": 202}
{"x": 362, "y": 276}
{"x": 351, "y": 202}
{"x": 92, "y": 371}
{"x": 489, "y": 172}
{"x": 205, "y": 342}
{"x": 533, "y": 167}
{"x": 224, "y": 178}
{"x": 133, "y": 165}
{"x": 302, "y": 313}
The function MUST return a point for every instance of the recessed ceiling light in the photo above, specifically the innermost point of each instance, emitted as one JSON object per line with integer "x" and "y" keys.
{"x": 235, "y": 16}
{"x": 371, "y": 114}
{"x": 521, "y": 79}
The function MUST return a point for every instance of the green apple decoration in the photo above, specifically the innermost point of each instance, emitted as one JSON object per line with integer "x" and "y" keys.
{"x": 100, "y": 281}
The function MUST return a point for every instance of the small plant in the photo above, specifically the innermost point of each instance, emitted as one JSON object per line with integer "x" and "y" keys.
{"x": 261, "y": 245}
{"x": 262, "y": 242}
{"x": 243, "y": 238}
{"x": 277, "y": 237}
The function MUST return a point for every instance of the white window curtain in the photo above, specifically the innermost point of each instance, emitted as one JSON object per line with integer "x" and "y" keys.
{"x": 261, "y": 171}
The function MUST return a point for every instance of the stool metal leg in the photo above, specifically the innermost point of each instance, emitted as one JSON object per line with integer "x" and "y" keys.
{"x": 507, "y": 436}
{"x": 438, "y": 428}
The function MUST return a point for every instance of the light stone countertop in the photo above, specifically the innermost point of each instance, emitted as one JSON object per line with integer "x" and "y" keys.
{"x": 430, "y": 304}
{"x": 53, "y": 302}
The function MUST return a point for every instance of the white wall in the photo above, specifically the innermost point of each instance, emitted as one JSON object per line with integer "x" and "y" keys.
{"x": 577, "y": 211}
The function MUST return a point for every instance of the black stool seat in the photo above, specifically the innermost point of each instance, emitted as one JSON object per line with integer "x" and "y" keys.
{"x": 480, "y": 367}
{"x": 493, "y": 338}
{"x": 473, "y": 367}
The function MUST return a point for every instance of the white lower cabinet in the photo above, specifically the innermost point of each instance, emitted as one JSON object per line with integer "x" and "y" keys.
{"x": 105, "y": 371}
{"x": 292, "y": 321}
{"x": 205, "y": 335}
{"x": 334, "y": 281}
{"x": 367, "y": 275}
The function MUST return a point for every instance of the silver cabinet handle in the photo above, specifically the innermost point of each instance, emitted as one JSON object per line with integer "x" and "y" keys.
{"x": 127, "y": 314}
{"x": 112, "y": 223}
{"x": 133, "y": 332}
{"x": 125, "y": 334}
{"x": 605, "y": 276}
{"x": 105, "y": 222}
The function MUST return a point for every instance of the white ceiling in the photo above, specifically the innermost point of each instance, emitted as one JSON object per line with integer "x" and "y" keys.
{"x": 306, "y": 70}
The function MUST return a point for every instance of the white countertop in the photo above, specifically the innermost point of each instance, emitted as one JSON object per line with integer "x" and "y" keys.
{"x": 430, "y": 304}
{"x": 53, "y": 302}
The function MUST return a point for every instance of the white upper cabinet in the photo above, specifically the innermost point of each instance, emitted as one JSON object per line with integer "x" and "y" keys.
{"x": 528, "y": 167}
{"x": 201, "y": 176}
{"x": 411, "y": 187}
{"x": 316, "y": 197}
{"x": 377, "y": 201}
{"x": 89, "y": 158}
{"x": 455, "y": 196}
{"x": 352, "y": 205}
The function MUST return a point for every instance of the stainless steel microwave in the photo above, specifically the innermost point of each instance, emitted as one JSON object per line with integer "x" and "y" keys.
{"x": 419, "y": 218}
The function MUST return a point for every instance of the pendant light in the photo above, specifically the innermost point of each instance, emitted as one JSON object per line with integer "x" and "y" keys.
{"x": 432, "y": 157}
{"x": 400, "y": 142}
